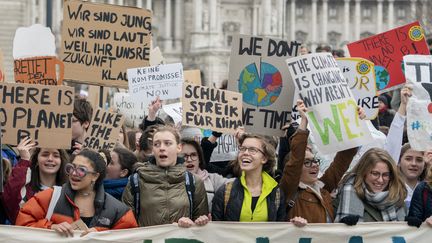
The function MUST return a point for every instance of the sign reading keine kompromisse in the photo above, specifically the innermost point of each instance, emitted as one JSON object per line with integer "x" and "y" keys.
{"x": 100, "y": 42}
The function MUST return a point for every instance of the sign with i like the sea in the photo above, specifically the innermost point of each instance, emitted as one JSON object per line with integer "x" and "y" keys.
{"x": 258, "y": 71}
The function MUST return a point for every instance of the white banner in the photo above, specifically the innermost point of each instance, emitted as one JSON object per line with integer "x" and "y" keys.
{"x": 218, "y": 232}
{"x": 418, "y": 72}
{"x": 332, "y": 110}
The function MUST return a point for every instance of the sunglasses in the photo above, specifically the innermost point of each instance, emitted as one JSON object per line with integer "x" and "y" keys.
{"x": 80, "y": 172}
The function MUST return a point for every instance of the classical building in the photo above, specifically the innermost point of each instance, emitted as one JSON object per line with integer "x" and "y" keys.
{"x": 198, "y": 33}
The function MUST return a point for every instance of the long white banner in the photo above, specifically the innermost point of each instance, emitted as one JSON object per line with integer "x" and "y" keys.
{"x": 237, "y": 232}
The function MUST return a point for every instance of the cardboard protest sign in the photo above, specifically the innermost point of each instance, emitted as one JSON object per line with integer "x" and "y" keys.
{"x": 134, "y": 111}
{"x": 210, "y": 108}
{"x": 2, "y": 70}
{"x": 35, "y": 58}
{"x": 192, "y": 76}
{"x": 332, "y": 110}
{"x": 175, "y": 111}
{"x": 258, "y": 71}
{"x": 418, "y": 71}
{"x": 227, "y": 147}
{"x": 156, "y": 57}
{"x": 388, "y": 48}
{"x": 165, "y": 81}
{"x": 360, "y": 76}
{"x": 44, "y": 113}
{"x": 104, "y": 130}
{"x": 100, "y": 41}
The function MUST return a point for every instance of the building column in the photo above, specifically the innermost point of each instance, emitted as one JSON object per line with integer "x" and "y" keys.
{"x": 167, "y": 25}
{"x": 413, "y": 9}
{"x": 139, "y": 3}
{"x": 293, "y": 20}
{"x": 111, "y": 1}
{"x": 149, "y": 4}
{"x": 266, "y": 27}
{"x": 379, "y": 16}
{"x": 314, "y": 24}
{"x": 281, "y": 24}
{"x": 324, "y": 20}
{"x": 255, "y": 19}
{"x": 178, "y": 24}
{"x": 120, "y": 2}
{"x": 346, "y": 19}
{"x": 390, "y": 14}
{"x": 213, "y": 15}
{"x": 198, "y": 15}
{"x": 357, "y": 20}
{"x": 42, "y": 12}
{"x": 425, "y": 14}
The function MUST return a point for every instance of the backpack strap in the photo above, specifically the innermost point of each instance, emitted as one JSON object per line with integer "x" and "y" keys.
{"x": 277, "y": 198}
{"x": 425, "y": 196}
{"x": 53, "y": 202}
{"x": 190, "y": 189}
{"x": 291, "y": 202}
{"x": 133, "y": 180}
{"x": 227, "y": 194}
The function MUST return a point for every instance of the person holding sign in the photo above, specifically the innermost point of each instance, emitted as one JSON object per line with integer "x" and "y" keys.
{"x": 307, "y": 195}
{"x": 81, "y": 198}
{"x": 373, "y": 191}
{"x": 161, "y": 191}
{"x": 36, "y": 171}
{"x": 255, "y": 196}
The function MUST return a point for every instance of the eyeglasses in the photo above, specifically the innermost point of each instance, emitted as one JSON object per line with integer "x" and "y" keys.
{"x": 191, "y": 156}
{"x": 309, "y": 162}
{"x": 79, "y": 171}
{"x": 376, "y": 175}
{"x": 252, "y": 150}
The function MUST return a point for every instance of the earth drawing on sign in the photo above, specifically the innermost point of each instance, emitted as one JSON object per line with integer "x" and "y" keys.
{"x": 260, "y": 86}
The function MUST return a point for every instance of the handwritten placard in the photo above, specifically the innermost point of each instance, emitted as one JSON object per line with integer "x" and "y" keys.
{"x": 39, "y": 70}
{"x": 388, "y": 48}
{"x": 175, "y": 111}
{"x": 332, "y": 110}
{"x": 209, "y": 108}
{"x": 104, "y": 130}
{"x": 192, "y": 76}
{"x": 44, "y": 113}
{"x": 100, "y": 41}
{"x": 134, "y": 111}
{"x": 258, "y": 71}
{"x": 360, "y": 76}
{"x": 165, "y": 81}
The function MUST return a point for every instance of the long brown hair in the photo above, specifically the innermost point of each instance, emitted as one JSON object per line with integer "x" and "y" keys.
{"x": 396, "y": 186}
{"x": 34, "y": 167}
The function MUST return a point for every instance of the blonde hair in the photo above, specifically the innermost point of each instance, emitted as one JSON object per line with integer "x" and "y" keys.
{"x": 428, "y": 178}
{"x": 396, "y": 187}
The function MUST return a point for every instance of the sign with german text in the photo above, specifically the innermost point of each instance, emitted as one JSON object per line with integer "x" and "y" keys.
{"x": 418, "y": 71}
{"x": 104, "y": 130}
{"x": 147, "y": 83}
{"x": 41, "y": 112}
{"x": 387, "y": 50}
{"x": 209, "y": 108}
{"x": 258, "y": 71}
{"x": 100, "y": 42}
{"x": 360, "y": 76}
{"x": 332, "y": 110}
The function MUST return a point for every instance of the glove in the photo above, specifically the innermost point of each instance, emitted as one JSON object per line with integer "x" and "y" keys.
{"x": 216, "y": 134}
{"x": 350, "y": 220}
{"x": 413, "y": 221}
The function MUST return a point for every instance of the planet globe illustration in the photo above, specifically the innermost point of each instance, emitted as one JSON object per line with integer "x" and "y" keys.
{"x": 260, "y": 87}
{"x": 382, "y": 77}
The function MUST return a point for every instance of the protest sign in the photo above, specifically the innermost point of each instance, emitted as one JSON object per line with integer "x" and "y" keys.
{"x": 2, "y": 70}
{"x": 33, "y": 41}
{"x": 192, "y": 76}
{"x": 360, "y": 76}
{"x": 156, "y": 57}
{"x": 210, "y": 108}
{"x": 165, "y": 81}
{"x": 258, "y": 71}
{"x": 134, "y": 111}
{"x": 418, "y": 71}
{"x": 332, "y": 110}
{"x": 104, "y": 130}
{"x": 388, "y": 48}
{"x": 175, "y": 111}
{"x": 100, "y": 41}
{"x": 44, "y": 113}
{"x": 216, "y": 232}
{"x": 226, "y": 149}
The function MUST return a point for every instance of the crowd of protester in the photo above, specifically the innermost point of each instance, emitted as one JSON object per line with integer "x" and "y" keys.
{"x": 155, "y": 176}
